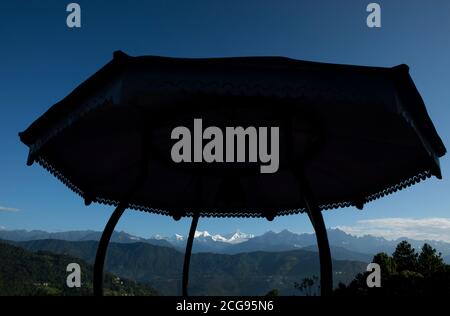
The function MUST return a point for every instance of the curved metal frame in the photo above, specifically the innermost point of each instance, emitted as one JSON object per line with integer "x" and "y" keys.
{"x": 187, "y": 254}
{"x": 316, "y": 218}
{"x": 114, "y": 219}
{"x": 326, "y": 268}
{"x": 104, "y": 242}
{"x": 313, "y": 211}
{"x": 103, "y": 247}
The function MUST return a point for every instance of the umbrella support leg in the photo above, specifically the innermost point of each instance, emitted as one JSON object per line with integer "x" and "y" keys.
{"x": 103, "y": 247}
{"x": 315, "y": 216}
{"x": 187, "y": 254}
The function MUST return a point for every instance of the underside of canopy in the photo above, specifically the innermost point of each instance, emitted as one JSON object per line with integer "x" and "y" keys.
{"x": 358, "y": 132}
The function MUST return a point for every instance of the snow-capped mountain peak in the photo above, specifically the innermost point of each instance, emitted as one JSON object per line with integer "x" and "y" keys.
{"x": 206, "y": 238}
{"x": 219, "y": 238}
{"x": 172, "y": 239}
{"x": 233, "y": 238}
{"x": 178, "y": 237}
{"x": 239, "y": 237}
{"x": 201, "y": 234}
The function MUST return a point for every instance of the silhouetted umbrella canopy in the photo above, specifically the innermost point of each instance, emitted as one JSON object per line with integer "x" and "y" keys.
{"x": 359, "y": 132}
{"x": 347, "y": 135}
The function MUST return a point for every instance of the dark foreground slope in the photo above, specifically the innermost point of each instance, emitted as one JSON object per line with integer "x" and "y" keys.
{"x": 23, "y": 272}
{"x": 253, "y": 273}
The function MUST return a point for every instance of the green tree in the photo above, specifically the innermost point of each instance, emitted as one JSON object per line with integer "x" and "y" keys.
{"x": 406, "y": 274}
{"x": 307, "y": 285}
{"x": 405, "y": 257}
{"x": 429, "y": 261}
{"x": 387, "y": 264}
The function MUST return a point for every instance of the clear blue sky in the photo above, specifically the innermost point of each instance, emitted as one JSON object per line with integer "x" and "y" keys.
{"x": 41, "y": 61}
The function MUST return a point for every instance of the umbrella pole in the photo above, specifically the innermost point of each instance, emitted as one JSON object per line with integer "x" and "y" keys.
{"x": 316, "y": 218}
{"x": 187, "y": 254}
{"x": 103, "y": 247}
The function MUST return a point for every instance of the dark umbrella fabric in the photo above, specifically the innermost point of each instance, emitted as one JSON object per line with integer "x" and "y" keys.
{"x": 347, "y": 135}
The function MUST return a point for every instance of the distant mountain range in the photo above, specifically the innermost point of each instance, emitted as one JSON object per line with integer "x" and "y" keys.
{"x": 23, "y": 272}
{"x": 343, "y": 246}
{"x": 204, "y": 236}
{"x": 254, "y": 273}
{"x": 76, "y": 235}
{"x": 206, "y": 242}
{"x": 365, "y": 245}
